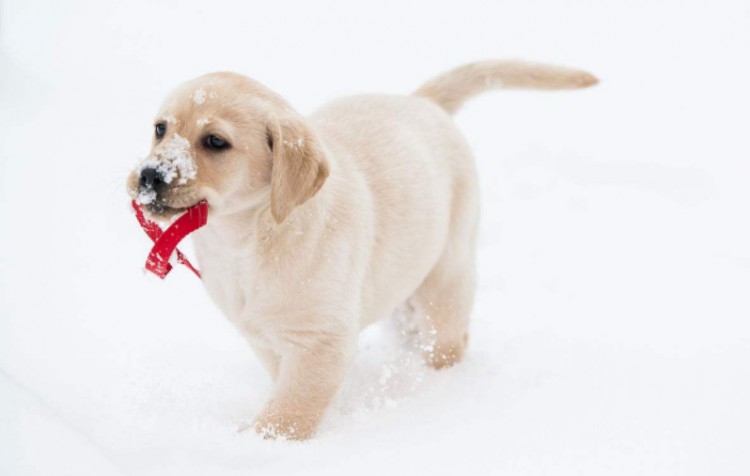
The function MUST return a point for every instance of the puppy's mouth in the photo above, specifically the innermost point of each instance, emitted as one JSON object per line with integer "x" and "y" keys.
{"x": 163, "y": 210}
{"x": 160, "y": 210}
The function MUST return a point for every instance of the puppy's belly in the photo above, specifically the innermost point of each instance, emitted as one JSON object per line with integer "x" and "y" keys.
{"x": 412, "y": 244}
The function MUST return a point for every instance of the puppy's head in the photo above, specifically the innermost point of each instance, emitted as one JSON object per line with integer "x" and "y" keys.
{"x": 229, "y": 140}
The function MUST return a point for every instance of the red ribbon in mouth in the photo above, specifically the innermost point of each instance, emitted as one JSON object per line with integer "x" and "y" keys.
{"x": 166, "y": 241}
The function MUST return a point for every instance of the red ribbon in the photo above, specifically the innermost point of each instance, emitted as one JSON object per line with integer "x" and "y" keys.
{"x": 166, "y": 241}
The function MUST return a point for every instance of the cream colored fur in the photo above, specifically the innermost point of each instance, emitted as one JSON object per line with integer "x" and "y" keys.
{"x": 319, "y": 226}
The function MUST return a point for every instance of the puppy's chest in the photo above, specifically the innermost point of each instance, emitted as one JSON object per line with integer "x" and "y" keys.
{"x": 233, "y": 280}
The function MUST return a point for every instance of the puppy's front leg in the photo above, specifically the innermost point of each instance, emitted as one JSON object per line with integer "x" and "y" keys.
{"x": 310, "y": 375}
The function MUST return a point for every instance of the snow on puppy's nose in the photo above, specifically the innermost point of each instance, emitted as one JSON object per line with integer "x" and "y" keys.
{"x": 172, "y": 160}
{"x": 175, "y": 160}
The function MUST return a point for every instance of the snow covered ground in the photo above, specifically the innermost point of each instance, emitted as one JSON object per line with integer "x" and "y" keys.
{"x": 610, "y": 334}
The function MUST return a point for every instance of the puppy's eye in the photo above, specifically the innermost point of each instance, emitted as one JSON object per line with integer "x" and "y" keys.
{"x": 160, "y": 129}
{"x": 216, "y": 143}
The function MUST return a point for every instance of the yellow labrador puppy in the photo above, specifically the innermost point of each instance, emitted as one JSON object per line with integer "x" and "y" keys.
{"x": 318, "y": 226}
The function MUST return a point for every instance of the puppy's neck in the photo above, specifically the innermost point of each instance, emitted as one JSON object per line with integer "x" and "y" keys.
{"x": 230, "y": 231}
{"x": 254, "y": 229}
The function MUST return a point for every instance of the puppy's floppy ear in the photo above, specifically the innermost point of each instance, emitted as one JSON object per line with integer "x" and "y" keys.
{"x": 299, "y": 165}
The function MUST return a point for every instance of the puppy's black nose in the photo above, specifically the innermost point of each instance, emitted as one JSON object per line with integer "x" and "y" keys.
{"x": 151, "y": 178}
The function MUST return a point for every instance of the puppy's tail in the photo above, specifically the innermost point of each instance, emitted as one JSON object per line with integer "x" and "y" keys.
{"x": 451, "y": 89}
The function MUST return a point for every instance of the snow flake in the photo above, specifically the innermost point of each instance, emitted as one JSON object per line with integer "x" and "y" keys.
{"x": 173, "y": 160}
{"x": 146, "y": 196}
{"x": 199, "y": 96}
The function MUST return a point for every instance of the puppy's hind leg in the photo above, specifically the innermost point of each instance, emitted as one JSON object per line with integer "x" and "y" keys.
{"x": 442, "y": 308}
{"x": 444, "y": 300}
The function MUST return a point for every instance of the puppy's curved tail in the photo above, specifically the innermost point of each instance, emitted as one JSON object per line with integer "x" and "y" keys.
{"x": 451, "y": 89}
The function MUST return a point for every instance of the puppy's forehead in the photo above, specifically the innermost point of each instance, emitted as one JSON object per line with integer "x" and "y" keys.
{"x": 196, "y": 95}
{"x": 225, "y": 95}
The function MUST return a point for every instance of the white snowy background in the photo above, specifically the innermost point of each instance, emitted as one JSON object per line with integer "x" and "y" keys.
{"x": 610, "y": 333}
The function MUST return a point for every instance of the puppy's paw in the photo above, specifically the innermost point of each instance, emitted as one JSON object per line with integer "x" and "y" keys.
{"x": 446, "y": 354}
{"x": 273, "y": 425}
